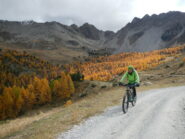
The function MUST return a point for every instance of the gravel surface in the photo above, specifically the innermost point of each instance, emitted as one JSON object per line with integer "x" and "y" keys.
{"x": 158, "y": 114}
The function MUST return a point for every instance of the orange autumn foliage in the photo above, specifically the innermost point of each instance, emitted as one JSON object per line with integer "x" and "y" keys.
{"x": 105, "y": 68}
{"x": 64, "y": 87}
{"x": 25, "y": 83}
{"x": 69, "y": 102}
{"x": 41, "y": 90}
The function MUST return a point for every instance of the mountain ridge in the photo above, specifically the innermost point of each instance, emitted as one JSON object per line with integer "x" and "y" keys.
{"x": 152, "y": 28}
{"x": 148, "y": 33}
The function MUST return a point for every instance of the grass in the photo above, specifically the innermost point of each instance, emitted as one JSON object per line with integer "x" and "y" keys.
{"x": 10, "y": 126}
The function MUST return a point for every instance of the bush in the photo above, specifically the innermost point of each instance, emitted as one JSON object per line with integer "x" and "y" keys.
{"x": 77, "y": 76}
{"x": 63, "y": 88}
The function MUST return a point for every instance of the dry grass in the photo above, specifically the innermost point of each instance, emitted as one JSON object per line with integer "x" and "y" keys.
{"x": 56, "y": 56}
{"x": 10, "y": 126}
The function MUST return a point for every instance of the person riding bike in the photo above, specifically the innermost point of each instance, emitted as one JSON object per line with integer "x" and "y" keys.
{"x": 132, "y": 77}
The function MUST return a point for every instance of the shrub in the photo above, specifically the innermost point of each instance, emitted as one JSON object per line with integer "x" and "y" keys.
{"x": 77, "y": 76}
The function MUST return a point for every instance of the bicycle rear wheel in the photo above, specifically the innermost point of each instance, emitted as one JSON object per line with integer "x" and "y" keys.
{"x": 125, "y": 103}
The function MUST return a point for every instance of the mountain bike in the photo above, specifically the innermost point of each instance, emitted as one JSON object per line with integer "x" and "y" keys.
{"x": 128, "y": 96}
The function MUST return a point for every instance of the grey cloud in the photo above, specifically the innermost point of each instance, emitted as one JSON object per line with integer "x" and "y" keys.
{"x": 104, "y": 14}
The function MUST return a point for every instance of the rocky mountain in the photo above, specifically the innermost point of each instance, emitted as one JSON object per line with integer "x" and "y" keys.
{"x": 145, "y": 34}
{"x": 150, "y": 33}
{"x": 51, "y": 35}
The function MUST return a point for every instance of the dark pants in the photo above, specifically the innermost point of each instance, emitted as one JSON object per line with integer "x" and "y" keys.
{"x": 134, "y": 89}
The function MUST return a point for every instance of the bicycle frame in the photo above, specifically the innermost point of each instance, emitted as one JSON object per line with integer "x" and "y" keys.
{"x": 129, "y": 92}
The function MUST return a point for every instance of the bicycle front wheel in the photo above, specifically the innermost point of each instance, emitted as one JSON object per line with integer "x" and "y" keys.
{"x": 125, "y": 103}
{"x": 134, "y": 101}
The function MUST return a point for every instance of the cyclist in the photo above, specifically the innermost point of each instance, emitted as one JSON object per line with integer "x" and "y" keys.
{"x": 132, "y": 77}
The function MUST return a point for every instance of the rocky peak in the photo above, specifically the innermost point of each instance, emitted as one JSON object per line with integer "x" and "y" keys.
{"x": 135, "y": 20}
{"x": 109, "y": 34}
{"x": 146, "y": 17}
{"x": 90, "y": 31}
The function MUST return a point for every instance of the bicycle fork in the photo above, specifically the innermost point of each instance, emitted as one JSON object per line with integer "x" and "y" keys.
{"x": 130, "y": 95}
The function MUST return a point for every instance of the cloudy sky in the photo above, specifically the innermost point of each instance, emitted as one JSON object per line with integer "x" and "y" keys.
{"x": 104, "y": 14}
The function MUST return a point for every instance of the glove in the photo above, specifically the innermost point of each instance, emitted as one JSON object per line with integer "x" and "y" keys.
{"x": 137, "y": 84}
{"x": 120, "y": 83}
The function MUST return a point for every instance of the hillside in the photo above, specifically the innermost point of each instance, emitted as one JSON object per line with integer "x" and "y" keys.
{"x": 63, "y": 43}
{"x": 170, "y": 72}
{"x": 28, "y": 82}
{"x": 51, "y": 35}
{"x": 106, "y": 68}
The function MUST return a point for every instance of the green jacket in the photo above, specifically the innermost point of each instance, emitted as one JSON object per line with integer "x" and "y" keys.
{"x": 131, "y": 78}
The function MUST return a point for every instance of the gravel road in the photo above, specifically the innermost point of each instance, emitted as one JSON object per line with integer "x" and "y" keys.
{"x": 158, "y": 114}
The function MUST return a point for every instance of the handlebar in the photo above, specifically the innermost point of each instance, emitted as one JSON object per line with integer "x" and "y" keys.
{"x": 129, "y": 85}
